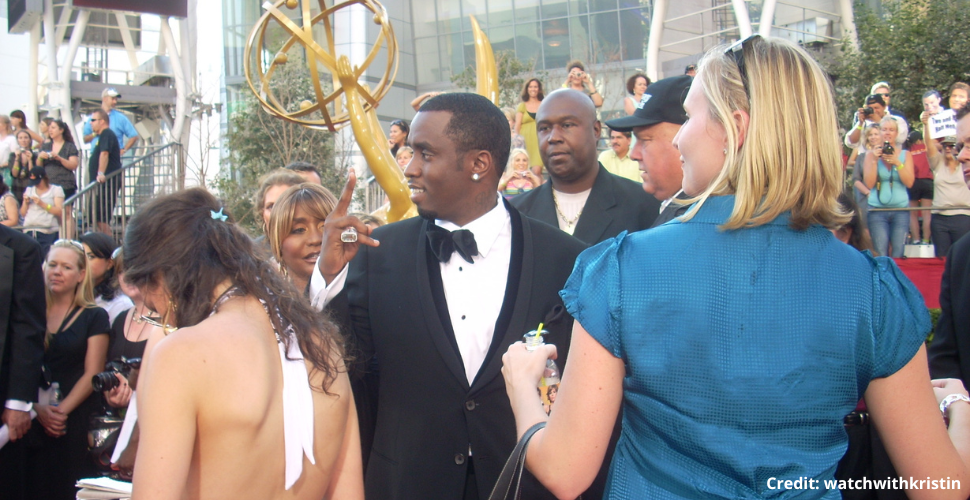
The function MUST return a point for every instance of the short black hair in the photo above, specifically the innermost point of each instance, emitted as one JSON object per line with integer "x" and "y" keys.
{"x": 102, "y": 114}
{"x": 476, "y": 123}
{"x": 302, "y": 166}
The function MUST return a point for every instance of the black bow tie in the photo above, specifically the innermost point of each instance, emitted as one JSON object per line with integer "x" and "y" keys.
{"x": 445, "y": 242}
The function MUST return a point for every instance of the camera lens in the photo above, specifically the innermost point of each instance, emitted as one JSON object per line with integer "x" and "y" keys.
{"x": 104, "y": 381}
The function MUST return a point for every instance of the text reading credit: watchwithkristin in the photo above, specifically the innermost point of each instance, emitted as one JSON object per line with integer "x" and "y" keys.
{"x": 806, "y": 483}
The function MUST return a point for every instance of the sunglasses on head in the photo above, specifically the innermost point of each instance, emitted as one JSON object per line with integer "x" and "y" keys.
{"x": 736, "y": 53}
{"x": 75, "y": 243}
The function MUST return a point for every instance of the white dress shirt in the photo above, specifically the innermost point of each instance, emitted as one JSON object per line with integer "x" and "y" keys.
{"x": 474, "y": 292}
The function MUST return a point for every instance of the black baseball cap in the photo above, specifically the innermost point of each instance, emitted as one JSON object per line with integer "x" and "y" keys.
{"x": 662, "y": 102}
{"x": 875, "y": 99}
{"x": 690, "y": 67}
{"x": 37, "y": 174}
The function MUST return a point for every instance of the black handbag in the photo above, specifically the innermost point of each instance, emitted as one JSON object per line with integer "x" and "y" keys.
{"x": 512, "y": 472}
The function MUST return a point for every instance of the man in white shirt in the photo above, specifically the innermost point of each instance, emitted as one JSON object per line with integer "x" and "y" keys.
{"x": 655, "y": 122}
{"x": 583, "y": 199}
{"x": 433, "y": 306}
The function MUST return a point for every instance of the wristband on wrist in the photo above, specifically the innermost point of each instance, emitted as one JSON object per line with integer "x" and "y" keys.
{"x": 48, "y": 207}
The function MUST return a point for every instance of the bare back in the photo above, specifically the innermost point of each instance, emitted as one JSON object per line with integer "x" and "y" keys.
{"x": 211, "y": 413}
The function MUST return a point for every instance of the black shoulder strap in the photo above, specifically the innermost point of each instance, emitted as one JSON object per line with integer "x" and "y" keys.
{"x": 68, "y": 319}
{"x": 513, "y": 467}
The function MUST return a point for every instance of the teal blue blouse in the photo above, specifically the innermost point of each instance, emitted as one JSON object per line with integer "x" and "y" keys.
{"x": 743, "y": 350}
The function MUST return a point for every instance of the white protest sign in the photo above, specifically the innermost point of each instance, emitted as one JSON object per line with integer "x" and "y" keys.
{"x": 943, "y": 124}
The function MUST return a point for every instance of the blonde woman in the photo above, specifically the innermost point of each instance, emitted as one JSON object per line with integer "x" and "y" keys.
{"x": 873, "y": 138}
{"x": 737, "y": 351}
{"x": 76, "y": 349}
{"x": 517, "y": 178}
{"x": 295, "y": 230}
{"x": 888, "y": 173}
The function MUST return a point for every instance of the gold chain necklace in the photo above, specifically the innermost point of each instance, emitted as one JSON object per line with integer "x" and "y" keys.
{"x": 569, "y": 223}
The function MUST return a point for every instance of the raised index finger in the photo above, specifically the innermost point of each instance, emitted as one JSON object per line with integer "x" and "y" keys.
{"x": 345, "y": 196}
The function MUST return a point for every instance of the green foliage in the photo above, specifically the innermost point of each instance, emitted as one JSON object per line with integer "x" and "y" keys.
{"x": 258, "y": 142}
{"x": 512, "y": 74}
{"x": 934, "y": 318}
{"x": 915, "y": 45}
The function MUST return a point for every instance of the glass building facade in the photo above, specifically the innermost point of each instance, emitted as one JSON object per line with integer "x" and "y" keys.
{"x": 547, "y": 33}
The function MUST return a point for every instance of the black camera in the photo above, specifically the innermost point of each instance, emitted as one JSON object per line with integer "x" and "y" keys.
{"x": 888, "y": 149}
{"x": 106, "y": 380}
{"x": 868, "y": 111}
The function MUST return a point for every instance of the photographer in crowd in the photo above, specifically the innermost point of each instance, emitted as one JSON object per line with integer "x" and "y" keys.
{"x": 21, "y": 162}
{"x": 578, "y": 79}
{"x": 870, "y": 114}
{"x": 888, "y": 173}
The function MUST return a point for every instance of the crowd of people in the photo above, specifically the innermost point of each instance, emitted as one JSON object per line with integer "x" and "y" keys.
{"x": 704, "y": 284}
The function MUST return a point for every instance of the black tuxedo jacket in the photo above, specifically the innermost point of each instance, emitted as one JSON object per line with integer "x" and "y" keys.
{"x": 23, "y": 317}
{"x": 427, "y": 414}
{"x": 949, "y": 352}
{"x": 614, "y": 205}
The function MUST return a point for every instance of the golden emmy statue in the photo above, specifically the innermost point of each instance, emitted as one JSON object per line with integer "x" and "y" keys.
{"x": 328, "y": 112}
{"x": 485, "y": 65}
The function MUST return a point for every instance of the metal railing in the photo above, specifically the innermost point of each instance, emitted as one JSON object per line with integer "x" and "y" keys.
{"x": 123, "y": 192}
{"x": 374, "y": 196}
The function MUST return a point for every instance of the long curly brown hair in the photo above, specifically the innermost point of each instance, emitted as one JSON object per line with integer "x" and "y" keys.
{"x": 176, "y": 240}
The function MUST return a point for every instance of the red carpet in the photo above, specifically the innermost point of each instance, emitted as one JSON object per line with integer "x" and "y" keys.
{"x": 926, "y": 275}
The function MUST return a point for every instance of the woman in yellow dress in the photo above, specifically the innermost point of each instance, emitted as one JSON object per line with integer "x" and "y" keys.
{"x": 525, "y": 122}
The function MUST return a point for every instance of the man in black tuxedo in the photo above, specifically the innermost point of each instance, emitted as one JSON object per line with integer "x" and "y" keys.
{"x": 655, "y": 122}
{"x": 434, "y": 305}
{"x": 583, "y": 199}
{"x": 23, "y": 320}
{"x": 949, "y": 352}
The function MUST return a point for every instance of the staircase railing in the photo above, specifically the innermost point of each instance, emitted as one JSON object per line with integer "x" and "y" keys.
{"x": 141, "y": 180}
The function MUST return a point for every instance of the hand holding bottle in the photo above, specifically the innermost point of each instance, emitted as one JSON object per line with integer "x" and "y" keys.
{"x": 531, "y": 375}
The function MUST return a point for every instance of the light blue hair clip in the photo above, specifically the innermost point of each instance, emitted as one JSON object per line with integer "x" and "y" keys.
{"x": 218, "y": 215}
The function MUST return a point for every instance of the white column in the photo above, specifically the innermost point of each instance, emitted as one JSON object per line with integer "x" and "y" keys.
{"x": 741, "y": 14}
{"x": 656, "y": 35}
{"x": 80, "y": 26}
{"x": 32, "y": 74}
{"x": 767, "y": 17}
{"x": 50, "y": 44}
{"x": 848, "y": 22}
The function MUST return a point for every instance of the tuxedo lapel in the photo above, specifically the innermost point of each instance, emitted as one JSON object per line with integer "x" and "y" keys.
{"x": 596, "y": 216}
{"x": 511, "y": 324}
{"x": 434, "y": 307}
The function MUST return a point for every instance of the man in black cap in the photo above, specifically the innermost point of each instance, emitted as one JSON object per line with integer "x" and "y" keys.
{"x": 583, "y": 199}
{"x": 655, "y": 122}
{"x": 871, "y": 114}
{"x": 690, "y": 70}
